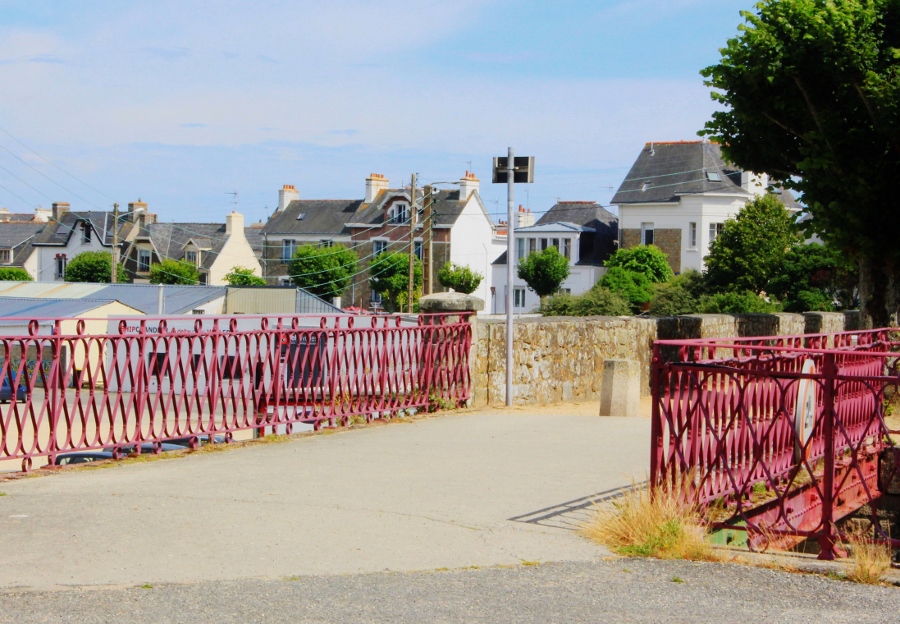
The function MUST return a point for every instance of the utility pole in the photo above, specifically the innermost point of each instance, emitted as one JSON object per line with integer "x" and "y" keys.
{"x": 510, "y": 266}
{"x": 413, "y": 214}
{"x": 427, "y": 252}
{"x": 115, "y": 249}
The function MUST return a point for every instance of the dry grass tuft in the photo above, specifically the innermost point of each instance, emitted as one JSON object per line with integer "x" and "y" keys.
{"x": 868, "y": 560}
{"x": 641, "y": 525}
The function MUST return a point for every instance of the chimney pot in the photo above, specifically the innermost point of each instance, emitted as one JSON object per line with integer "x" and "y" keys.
{"x": 59, "y": 209}
{"x": 286, "y": 195}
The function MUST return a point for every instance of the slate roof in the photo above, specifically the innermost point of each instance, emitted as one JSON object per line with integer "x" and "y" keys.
{"x": 587, "y": 213}
{"x": 445, "y": 211}
{"x": 169, "y": 239}
{"x": 58, "y": 232}
{"x": 320, "y": 216}
{"x": 48, "y": 308}
{"x": 664, "y": 171}
{"x": 17, "y": 217}
{"x": 18, "y": 237}
{"x": 555, "y": 226}
{"x": 256, "y": 239}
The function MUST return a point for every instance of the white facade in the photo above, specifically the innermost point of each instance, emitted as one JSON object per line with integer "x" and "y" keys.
{"x": 564, "y": 236}
{"x": 699, "y": 217}
{"x": 473, "y": 243}
{"x": 47, "y": 260}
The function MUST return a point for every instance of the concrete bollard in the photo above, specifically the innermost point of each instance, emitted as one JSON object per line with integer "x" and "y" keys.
{"x": 620, "y": 392}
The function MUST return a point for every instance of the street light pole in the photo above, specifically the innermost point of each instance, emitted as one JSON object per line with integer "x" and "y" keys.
{"x": 510, "y": 243}
{"x": 115, "y": 249}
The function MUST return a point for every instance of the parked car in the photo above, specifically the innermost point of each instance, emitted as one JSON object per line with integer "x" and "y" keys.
{"x": 6, "y": 391}
{"x": 146, "y": 448}
{"x": 82, "y": 457}
{"x": 201, "y": 440}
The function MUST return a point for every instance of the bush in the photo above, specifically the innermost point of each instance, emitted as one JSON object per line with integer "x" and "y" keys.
{"x": 389, "y": 276}
{"x": 174, "y": 272}
{"x": 460, "y": 278}
{"x": 745, "y": 302}
{"x": 241, "y": 276}
{"x": 681, "y": 295}
{"x": 598, "y": 301}
{"x": 647, "y": 259}
{"x": 93, "y": 267}
{"x": 636, "y": 288}
{"x": 814, "y": 277}
{"x": 14, "y": 274}
{"x": 323, "y": 271}
{"x": 544, "y": 271}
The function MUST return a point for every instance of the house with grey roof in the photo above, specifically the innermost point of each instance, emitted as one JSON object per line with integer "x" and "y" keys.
{"x": 679, "y": 194}
{"x": 214, "y": 248}
{"x": 582, "y": 231}
{"x": 461, "y": 231}
{"x": 69, "y": 233}
{"x": 16, "y": 250}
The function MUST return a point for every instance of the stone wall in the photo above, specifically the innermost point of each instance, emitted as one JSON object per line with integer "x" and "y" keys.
{"x": 630, "y": 237}
{"x": 669, "y": 241}
{"x": 561, "y": 358}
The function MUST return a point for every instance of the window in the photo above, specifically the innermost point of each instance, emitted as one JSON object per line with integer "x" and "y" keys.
{"x": 520, "y": 249}
{"x": 326, "y": 243}
{"x": 554, "y": 242}
{"x": 378, "y": 247}
{"x": 532, "y": 245}
{"x": 284, "y": 281}
{"x": 417, "y": 249}
{"x": 543, "y": 244}
{"x": 399, "y": 213}
{"x": 567, "y": 291}
{"x": 566, "y": 248}
{"x": 198, "y": 311}
{"x": 646, "y": 233}
{"x": 203, "y": 278}
{"x": 60, "y": 266}
{"x": 714, "y": 230}
{"x": 692, "y": 235}
{"x": 376, "y": 299}
{"x": 713, "y": 176}
{"x": 85, "y": 232}
{"x": 143, "y": 260}
{"x": 190, "y": 257}
{"x": 5, "y": 256}
{"x": 518, "y": 297}
{"x": 288, "y": 247}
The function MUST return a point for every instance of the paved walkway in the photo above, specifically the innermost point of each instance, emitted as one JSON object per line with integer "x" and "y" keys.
{"x": 467, "y": 489}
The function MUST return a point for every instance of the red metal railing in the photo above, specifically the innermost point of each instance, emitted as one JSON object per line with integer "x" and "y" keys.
{"x": 776, "y": 436}
{"x": 147, "y": 380}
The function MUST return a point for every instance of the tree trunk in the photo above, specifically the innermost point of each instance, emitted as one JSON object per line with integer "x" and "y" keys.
{"x": 878, "y": 293}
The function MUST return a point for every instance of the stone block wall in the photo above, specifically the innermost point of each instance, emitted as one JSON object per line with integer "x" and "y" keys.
{"x": 631, "y": 237}
{"x": 669, "y": 241}
{"x": 559, "y": 359}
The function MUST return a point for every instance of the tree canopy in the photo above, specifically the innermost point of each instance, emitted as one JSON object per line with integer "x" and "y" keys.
{"x": 242, "y": 276}
{"x": 544, "y": 271}
{"x": 93, "y": 266}
{"x": 389, "y": 276}
{"x": 809, "y": 90}
{"x": 174, "y": 272}
{"x": 814, "y": 277}
{"x": 633, "y": 286}
{"x": 647, "y": 259}
{"x": 460, "y": 278}
{"x": 751, "y": 246}
{"x": 324, "y": 271}
{"x": 14, "y": 274}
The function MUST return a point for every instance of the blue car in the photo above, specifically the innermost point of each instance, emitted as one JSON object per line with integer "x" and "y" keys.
{"x": 6, "y": 391}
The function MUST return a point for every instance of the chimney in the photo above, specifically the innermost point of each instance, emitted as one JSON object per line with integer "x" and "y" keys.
{"x": 59, "y": 209}
{"x": 375, "y": 183}
{"x": 467, "y": 185}
{"x": 234, "y": 222}
{"x": 286, "y": 195}
{"x": 146, "y": 218}
{"x": 525, "y": 217}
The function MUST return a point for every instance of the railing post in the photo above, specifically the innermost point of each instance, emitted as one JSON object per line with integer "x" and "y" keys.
{"x": 57, "y": 394}
{"x": 656, "y": 441}
{"x": 828, "y": 539}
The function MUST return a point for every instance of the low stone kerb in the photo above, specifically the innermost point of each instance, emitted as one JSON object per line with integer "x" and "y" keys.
{"x": 450, "y": 302}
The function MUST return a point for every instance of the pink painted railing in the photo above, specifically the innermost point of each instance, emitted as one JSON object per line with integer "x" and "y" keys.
{"x": 778, "y": 436}
{"x": 147, "y": 380}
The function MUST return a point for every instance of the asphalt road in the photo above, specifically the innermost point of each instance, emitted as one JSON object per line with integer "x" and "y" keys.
{"x": 619, "y": 590}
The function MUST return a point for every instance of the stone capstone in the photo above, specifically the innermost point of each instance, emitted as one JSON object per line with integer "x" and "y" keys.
{"x": 450, "y": 302}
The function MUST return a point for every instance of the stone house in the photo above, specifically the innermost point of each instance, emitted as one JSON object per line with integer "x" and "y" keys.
{"x": 678, "y": 195}
{"x": 462, "y": 231}
{"x": 214, "y": 248}
{"x": 582, "y": 231}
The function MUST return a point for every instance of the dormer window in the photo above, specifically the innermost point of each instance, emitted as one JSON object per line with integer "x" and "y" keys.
{"x": 85, "y": 232}
{"x": 191, "y": 257}
{"x": 398, "y": 213}
{"x": 5, "y": 256}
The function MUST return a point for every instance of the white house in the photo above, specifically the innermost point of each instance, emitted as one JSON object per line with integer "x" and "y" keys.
{"x": 583, "y": 232}
{"x": 461, "y": 231}
{"x": 678, "y": 195}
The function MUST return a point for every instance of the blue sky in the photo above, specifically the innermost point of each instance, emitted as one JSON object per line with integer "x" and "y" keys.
{"x": 181, "y": 102}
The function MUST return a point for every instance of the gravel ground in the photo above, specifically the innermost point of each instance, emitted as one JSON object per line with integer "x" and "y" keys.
{"x": 620, "y": 590}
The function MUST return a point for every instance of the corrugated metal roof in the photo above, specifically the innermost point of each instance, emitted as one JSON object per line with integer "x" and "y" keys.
{"x": 48, "y": 308}
{"x": 144, "y": 297}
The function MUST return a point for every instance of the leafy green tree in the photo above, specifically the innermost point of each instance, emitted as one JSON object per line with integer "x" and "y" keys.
{"x": 736, "y": 302}
{"x": 808, "y": 92}
{"x": 680, "y": 295}
{"x": 324, "y": 271}
{"x": 460, "y": 278}
{"x": 241, "y": 276}
{"x": 94, "y": 267}
{"x": 751, "y": 247}
{"x": 389, "y": 276}
{"x": 814, "y": 277}
{"x": 647, "y": 259}
{"x": 635, "y": 287}
{"x": 544, "y": 271}
{"x": 174, "y": 272}
{"x": 598, "y": 301}
{"x": 14, "y": 274}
